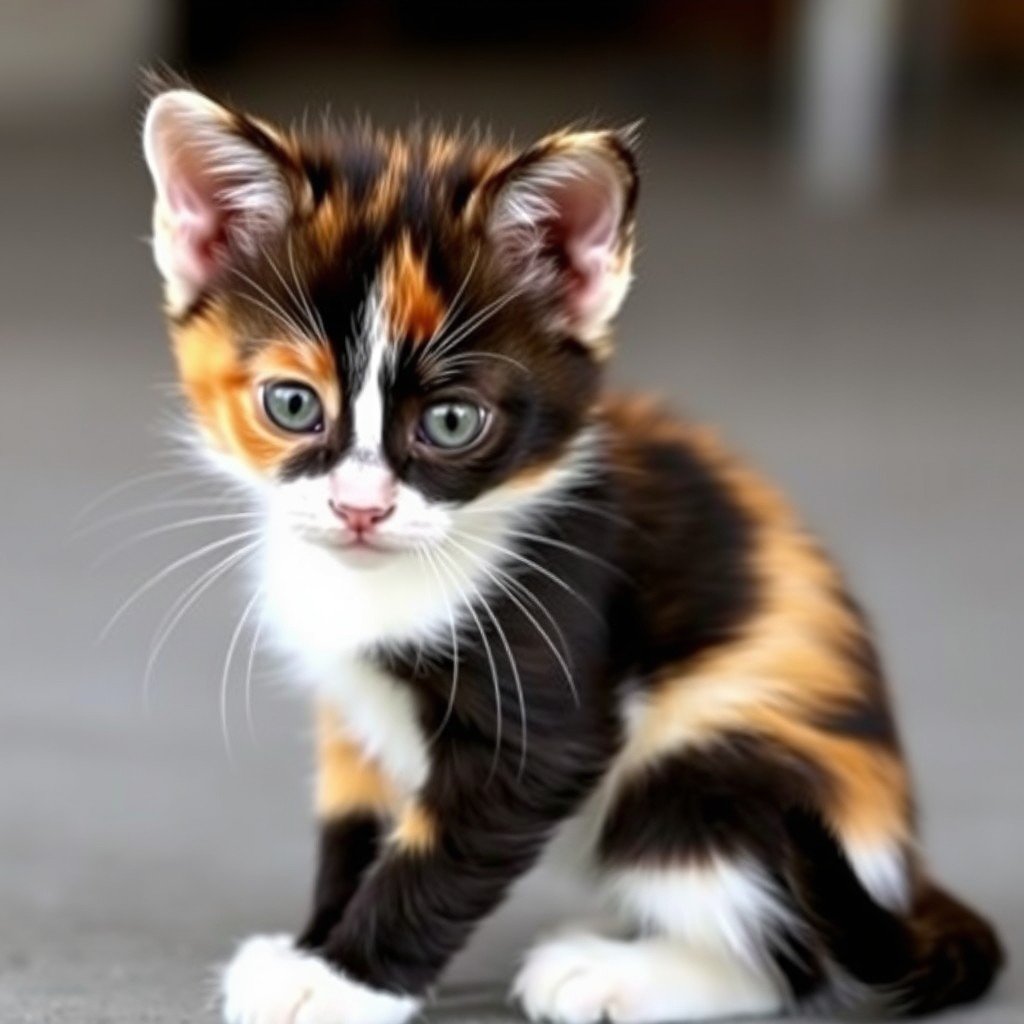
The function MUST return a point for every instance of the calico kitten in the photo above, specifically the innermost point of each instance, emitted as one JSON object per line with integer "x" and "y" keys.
{"x": 518, "y": 599}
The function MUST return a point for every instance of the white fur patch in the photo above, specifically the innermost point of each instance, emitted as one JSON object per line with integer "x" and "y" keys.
{"x": 380, "y": 714}
{"x": 269, "y": 981}
{"x": 581, "y": 978}
{"x": 728, "y": 905}
{"x": 329, "y": 614}
{"x": 882, "y": 870}
{"x": 368, "y": 405}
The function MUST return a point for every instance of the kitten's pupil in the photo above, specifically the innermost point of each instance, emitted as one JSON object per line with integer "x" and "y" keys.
{"x": 293, "y": 406}
{"x": 452, "y": 425}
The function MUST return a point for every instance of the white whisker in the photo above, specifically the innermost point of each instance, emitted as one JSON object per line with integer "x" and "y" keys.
{"x": 528, "y": 614}
{"x": 476, "y": 321}
{"x": 181, "y": 524}
{"x": 182, "y": 604}
{"x": 154, "y": 506}
{"x": 453, "y": 566}
{"x": 166, "y": 571}
{"x": 226, "y": 674}
{"x": 447, "y": 362}
{"x": 536, "y": 566}
{"x": 541, "y": 538}
{"x": 308, "y": 327}
{"x": 312, "y": 313}
{"x": 453, "y": 307}
{"x": 269, "y": 304}
{"x": 454, "y": 685}
{"x": 250, "y": 662}
{"x": 125, "y": 485}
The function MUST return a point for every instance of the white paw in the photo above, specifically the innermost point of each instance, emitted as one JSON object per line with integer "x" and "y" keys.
{"x": 575, "y": 978}
{"x": 269, "y": 981}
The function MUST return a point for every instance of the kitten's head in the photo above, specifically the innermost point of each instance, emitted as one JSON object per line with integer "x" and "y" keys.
{"x": 377, "y": 331}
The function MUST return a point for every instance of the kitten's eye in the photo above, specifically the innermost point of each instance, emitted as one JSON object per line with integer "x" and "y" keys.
{"x": 293, "y": 406}
{"x": 452, "y": 425}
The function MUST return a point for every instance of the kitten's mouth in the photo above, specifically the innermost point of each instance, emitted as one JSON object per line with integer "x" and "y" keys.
{"x": 359, "y": 547}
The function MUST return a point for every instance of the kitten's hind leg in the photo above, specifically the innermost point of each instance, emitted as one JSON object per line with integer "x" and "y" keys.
{"x": 583, "y": 978}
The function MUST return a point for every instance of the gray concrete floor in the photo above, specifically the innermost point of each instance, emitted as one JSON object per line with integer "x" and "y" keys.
{"x": 873, "y": 363}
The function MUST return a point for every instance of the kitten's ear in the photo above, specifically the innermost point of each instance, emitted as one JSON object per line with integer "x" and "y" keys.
{"x": 561, "y": 216}
{"x": 222, "y": 184}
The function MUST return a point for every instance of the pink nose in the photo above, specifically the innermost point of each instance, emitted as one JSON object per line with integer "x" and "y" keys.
{"x": 361, "y": 520}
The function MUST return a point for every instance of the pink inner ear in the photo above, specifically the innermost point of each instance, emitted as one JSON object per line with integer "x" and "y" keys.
{"x": 590, "y": 214}
{"x": 582, "y": 213}
{"x": 198, "y": 224}
{"x": 215, "y": 190}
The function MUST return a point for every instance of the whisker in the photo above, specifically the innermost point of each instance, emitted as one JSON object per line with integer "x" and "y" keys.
{"x": 276, "y": 308}
{"x": 453, "y": 566}
{"x": 453, "y": 307}
{"x": 250, "y": 662}
{"x": 181, "y": 524}
{"x": 530, "y": 596}
{"x": 125, "y": 485}
{"x": 476, "y": 321}
{"x": 312, "y": 313}
{"x": 463, "y": 330}
{"x": 166, "y": 571}
{"x": 309, "y": 328}
{"x": 181, "y": 606}
{"x": 513, "y": 665}
{"x": 536, "y": 566}
{"x": 528, "y": 615}
{"x": 445, "y": 361}
{"x": 454, "y": 685}
{"x": 541, "y": 538}
{"x": 556, "y": 503}
{"x": 226, "y": 674}
{"x": 154, "y": 506}
{"x": 290, "y": 326}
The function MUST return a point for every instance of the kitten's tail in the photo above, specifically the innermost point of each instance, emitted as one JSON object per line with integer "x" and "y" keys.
{"x": 938, "y": 954}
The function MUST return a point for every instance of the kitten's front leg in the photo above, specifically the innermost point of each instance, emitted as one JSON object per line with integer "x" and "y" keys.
{"x": 272, "y": 979}
{"x": 448, "y": 863}
{"x": 353, "y": 800}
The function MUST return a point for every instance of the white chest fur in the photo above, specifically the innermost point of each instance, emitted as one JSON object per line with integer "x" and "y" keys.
{"x": 327, "y": 617}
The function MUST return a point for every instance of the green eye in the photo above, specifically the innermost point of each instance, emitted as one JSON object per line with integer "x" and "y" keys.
{"x": 293, "y": 407}
{"x": 452, "y": 425}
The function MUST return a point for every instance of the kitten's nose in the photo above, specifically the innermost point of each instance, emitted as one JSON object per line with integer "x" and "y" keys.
{"x": 362, "y": 496}
{"x": 361, "y": 519}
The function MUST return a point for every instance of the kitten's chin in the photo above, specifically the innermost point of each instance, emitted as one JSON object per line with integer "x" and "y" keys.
{"x": 366, "y": 556}
{"x": 361, "y": 555}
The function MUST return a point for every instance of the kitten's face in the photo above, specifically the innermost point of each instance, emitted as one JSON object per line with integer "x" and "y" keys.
{"x": 382, "y": 334}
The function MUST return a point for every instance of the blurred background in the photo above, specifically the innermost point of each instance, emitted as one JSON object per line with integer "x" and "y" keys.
{"x": 830, "y": 269}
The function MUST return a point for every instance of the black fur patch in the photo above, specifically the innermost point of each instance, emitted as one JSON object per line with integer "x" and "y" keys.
{"x": 726, "y": 799}
{"x": 346, "y": 848}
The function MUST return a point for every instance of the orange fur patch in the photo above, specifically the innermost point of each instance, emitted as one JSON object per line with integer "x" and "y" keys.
{"x": 786, "y": 673}
{"x": 413, "y": 308}
{"x": 346, "y": 780}
{"x": 223, "y": 387}
{"x": 416, "y": 829}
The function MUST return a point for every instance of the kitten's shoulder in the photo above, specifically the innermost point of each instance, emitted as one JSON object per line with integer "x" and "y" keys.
{"x": 653, "y": 447}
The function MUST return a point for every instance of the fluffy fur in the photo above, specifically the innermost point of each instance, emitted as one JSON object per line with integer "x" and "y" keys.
{"x": 588, "y": 610}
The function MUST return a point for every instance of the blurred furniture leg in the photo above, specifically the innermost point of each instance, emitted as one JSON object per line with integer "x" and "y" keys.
{"x": 847, "y": 48}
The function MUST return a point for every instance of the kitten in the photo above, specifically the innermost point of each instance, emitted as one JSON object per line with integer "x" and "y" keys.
{"x": 518, "y": 599}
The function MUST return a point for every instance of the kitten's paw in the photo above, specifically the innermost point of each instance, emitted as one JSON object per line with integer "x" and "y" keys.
{"x": 574, "y": 978}
{"x": 269, "y": 981}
